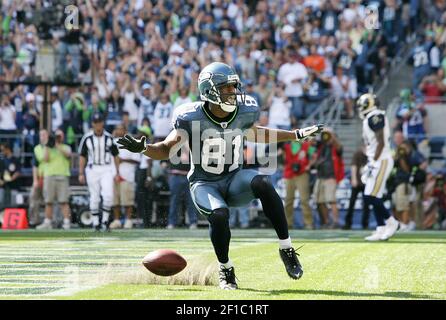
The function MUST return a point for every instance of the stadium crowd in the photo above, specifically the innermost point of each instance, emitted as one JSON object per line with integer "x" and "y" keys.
{"x": 138, "y": 60}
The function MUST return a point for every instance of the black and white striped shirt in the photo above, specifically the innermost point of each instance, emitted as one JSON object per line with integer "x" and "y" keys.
{"x": 99, "y": 150}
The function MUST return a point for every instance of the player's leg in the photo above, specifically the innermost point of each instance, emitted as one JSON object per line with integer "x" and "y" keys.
{"x": 290, "y": 187}
{"x": 49, "y": 192}
{"x": 246, "y": 185}
{"x": 351, "y": 207}
{"x": 63, "y": 197}
{"x": 365, "y": 212}
{"x": 330, "y": 198}
{"x": 373, "y": 195}
{"x": 303, "y": 186}
{"x": 320, "y": 202}
{"x": 209, "y": 201}
{"x": 116, "y": 223}
{"x": 128, "y": 201}
{"x": 94, "y": 189}
{"x": 106, "y": 185}
{"x": 191, "y": 210}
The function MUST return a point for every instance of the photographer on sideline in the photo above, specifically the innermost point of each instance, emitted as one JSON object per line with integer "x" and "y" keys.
{"x": 410, "y": 172}
{"x": 299, "y": 157}
{"x": 330, "y": 171}
{"x": 56, "y": 173}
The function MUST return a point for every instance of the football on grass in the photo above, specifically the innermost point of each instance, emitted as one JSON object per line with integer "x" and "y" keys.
{"x": 164, "y": 262}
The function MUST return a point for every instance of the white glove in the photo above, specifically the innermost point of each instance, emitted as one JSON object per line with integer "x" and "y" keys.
{"x": 308, "y": 132}
{"x": 368, "y": 171}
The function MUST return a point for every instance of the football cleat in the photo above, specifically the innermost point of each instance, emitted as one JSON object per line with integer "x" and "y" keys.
{"x": 46, "y": 225}
{"x": 390, "y": 228}
{"x": 377, "y": 235}
{"x": 227, "y": 278}
{"x": 102, "y": 228}
{"x": 292, "y": 264}
{"x": 116, "y": 224}
{"x": 66, "y": 225}
{"x": 128, "y": 224}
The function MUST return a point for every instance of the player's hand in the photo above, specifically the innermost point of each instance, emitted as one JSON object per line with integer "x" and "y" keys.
{"x": 309, "y": 132}
{"x": 118, "y": 179}
{"x": 132, "y": 144}
{"x": 82, "y": 179}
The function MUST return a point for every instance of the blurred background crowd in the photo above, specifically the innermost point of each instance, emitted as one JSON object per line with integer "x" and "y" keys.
{"x": 135, "y": 61}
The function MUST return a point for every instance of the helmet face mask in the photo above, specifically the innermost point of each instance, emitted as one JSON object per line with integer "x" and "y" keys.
{"x": 220, "y": 85}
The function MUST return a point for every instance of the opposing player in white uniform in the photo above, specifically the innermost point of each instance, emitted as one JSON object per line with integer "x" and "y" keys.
{"x": 376, "y": 135}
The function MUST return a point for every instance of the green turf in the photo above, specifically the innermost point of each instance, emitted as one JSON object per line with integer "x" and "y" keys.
{"x": 337, "y": 265}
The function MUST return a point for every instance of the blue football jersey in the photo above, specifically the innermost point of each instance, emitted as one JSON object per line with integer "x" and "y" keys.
{"x": 216, "y": 145}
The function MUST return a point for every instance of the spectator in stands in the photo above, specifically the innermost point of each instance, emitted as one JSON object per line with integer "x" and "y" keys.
{"x": 113, "y": 108}
{"x": 7, "y": 119}
{"x": 315, "y": 90}
{"x": 56, "y": 110}
{"x": 162, "y": 117}
{"x": 146, "y": 105}
{"x": 31, "y": 117}
{"x": 358, "y": 162}
{"x": 292, "y": 74}
{"x": 330, "y": 171}
{"x": 407, "y": 162}
{"x": 97, "y": 105}
{"x": 130, "y": 127}
{"x": 279, "y": 108}
{"x": 124, "y": 190}
{"x": 264, "y": 89}
{"x": 36, "y": 197}
{"x": 74, "y": 109}
{"x": 432, "y": 87}
{"x": 56, "y": 176}
{"x": 420, "y": 62}
{"x": 440, "y": 195}
{"x": 9, "y": 177}
{"x": 183, "y": 96}
{"x": 345, "y": 89}
{"x": 407, "y": 102}
{"x": 415, "y": 125}
{"x": 298, "y": 159}
{"x": 434, "y": 201}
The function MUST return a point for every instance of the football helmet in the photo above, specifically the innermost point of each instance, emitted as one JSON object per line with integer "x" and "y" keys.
{"x": 366, "y": 103}
{"x": 215, "y": 76}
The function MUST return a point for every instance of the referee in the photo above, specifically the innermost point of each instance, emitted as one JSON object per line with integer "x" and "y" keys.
{"x": 99, "y": 166}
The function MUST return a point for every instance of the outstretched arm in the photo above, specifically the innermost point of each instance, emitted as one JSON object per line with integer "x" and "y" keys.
{"x": 157, "y": 151}
{"x": 267, "y": 135}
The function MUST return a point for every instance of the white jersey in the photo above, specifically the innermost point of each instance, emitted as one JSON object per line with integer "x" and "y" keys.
{"x": 162, "y": 119}
{"x": 374, "y": 121}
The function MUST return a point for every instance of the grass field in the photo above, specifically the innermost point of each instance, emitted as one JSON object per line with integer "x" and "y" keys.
{"x": 337, "y": 265}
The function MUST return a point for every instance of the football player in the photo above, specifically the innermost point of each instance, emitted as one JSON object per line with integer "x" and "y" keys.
{"x": 215, "y": 128}
{"x": 376, "y": 135}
